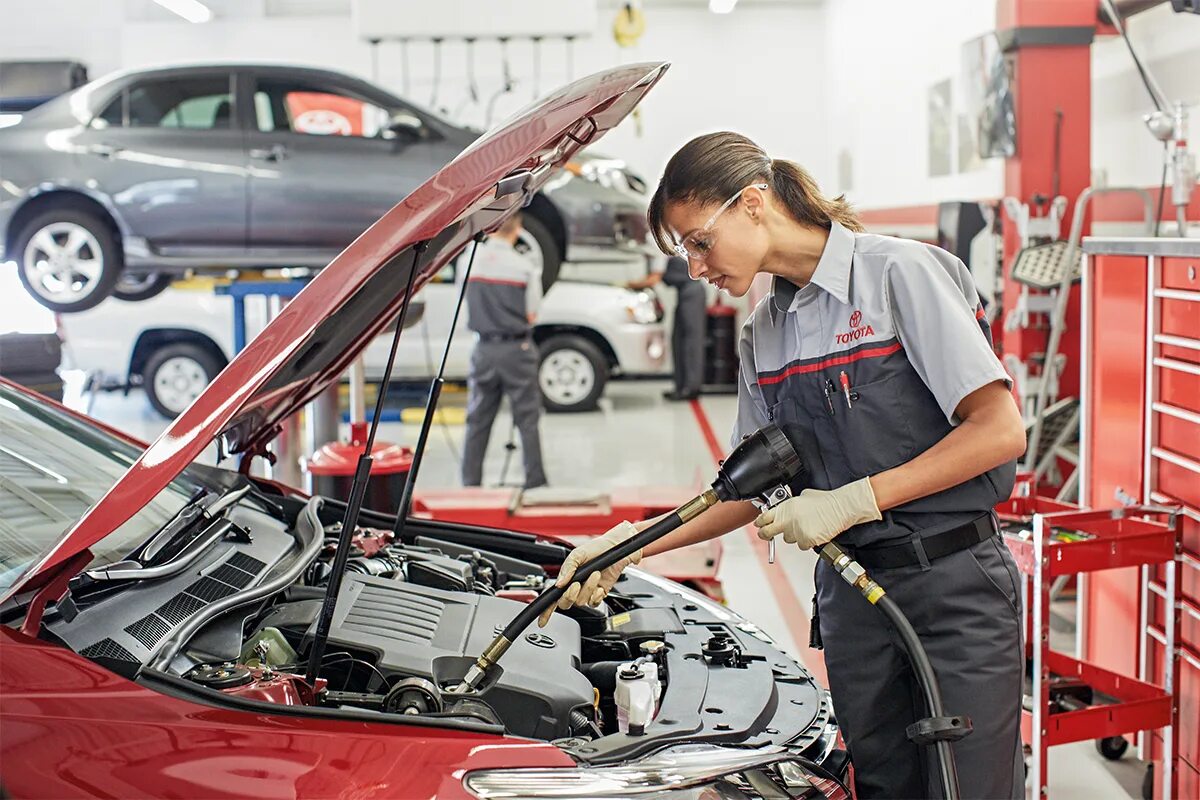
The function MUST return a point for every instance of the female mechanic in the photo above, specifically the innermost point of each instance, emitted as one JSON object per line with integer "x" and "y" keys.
{"x": 872, "y": 355}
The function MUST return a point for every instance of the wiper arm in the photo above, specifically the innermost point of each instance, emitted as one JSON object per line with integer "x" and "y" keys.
{"x": 135, "y": 571}
{"x": 190, "y": 517}
{"x": 186, "y": 519}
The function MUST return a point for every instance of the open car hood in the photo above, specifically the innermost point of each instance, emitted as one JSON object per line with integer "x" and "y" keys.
{"x": 320, "y": 332}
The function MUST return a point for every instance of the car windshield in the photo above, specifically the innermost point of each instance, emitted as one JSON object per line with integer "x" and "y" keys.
{"x": 52, "y": 468}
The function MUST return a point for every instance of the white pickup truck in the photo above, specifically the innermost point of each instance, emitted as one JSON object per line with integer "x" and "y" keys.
{"x": 174, "y": 344}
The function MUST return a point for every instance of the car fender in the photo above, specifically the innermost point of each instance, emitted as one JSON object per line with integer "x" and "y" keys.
{"x": 35, "y": 196}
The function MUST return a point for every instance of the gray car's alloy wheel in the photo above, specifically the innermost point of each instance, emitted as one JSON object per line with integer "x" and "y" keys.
{"x": 175, "y": 375}
{"x": 572, "y": 373}
{"x": 69, "y": 260}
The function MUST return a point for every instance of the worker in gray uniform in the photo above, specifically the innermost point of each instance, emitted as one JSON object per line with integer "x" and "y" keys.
{"x": 871, "y": 354}
{"x": 503, "y": 295}
{"x": 689, "y": 327}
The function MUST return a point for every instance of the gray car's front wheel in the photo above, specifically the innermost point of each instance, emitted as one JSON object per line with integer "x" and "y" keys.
{"x": 68, "y": 260}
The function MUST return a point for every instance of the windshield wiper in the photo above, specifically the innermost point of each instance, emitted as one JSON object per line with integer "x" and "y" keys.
{"x": 180, "y": 542}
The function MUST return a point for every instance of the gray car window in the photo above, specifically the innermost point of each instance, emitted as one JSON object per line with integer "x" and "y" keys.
{"x": 114, "y": 115}
{"x": 204, "y": 103}
{"x": 316, "y": 110}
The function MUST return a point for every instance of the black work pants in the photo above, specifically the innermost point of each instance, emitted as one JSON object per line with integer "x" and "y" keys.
{"x": 966, "y": 609}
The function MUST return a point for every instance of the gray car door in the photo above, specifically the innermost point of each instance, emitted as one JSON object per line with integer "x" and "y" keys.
{"x": 168, "y": 154}
{"x": 327, "y": 161}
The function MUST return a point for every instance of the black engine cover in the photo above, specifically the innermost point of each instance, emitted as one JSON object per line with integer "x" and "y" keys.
{"x": 436, "y": 634}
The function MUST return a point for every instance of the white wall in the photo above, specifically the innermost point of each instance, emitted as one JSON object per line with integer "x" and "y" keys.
{"x": 884, "y": 57}
{"x": 757, "y": 70}
{"x": 882, "y": 60}
{"x": 1123, "y": 152}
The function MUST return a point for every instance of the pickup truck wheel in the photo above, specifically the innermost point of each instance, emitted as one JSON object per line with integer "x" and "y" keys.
{"x": 68, "y": 260}
{"x": 571, "y": 374}
{"x": 175, "y": 375}
{"x": 132, "y": 287}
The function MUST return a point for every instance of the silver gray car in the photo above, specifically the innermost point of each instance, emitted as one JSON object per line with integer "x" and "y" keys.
{"x": 136, "y": 178}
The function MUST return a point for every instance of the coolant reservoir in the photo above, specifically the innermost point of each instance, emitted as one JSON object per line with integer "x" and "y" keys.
{"x": 635, "y": 697}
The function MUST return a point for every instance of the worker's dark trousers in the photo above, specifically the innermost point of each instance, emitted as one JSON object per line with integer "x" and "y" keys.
{"x": 499, "y": 369}
{"x": 687, "y": 339}
{"x": 965, "y": 608}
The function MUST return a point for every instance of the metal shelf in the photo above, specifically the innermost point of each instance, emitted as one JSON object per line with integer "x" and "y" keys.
{"x": 1050, "y": 539}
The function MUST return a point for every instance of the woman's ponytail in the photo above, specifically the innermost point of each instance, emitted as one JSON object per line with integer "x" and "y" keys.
{"x": 712, "y": 168}
{"x": 800, "y": 194}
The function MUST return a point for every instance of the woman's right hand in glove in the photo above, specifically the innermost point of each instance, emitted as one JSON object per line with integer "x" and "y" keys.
{"x": 598, "y": 584}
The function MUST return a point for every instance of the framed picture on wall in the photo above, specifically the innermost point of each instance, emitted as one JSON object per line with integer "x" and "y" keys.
{"x": 988, "y": 96}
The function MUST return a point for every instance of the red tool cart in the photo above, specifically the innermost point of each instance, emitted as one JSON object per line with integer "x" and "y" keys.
{"x": 1140, "y": 443}
{"x": 1072, "y": 699}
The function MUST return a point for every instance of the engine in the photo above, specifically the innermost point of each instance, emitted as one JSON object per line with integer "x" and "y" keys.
{"x": 406, "y": 631}
{"x": 653, "y": 665}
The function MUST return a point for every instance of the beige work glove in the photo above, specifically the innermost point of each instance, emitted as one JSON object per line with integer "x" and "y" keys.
{"x": 816, "y": 516}
{"x": 598, "y": 584}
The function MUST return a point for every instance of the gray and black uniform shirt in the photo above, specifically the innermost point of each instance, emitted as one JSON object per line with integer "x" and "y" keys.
{"x": 902, "y": 321}
{"x": 504, "y": 288}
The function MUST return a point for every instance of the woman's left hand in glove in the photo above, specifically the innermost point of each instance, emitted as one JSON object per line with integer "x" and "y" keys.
{"x": 816, "y": 516}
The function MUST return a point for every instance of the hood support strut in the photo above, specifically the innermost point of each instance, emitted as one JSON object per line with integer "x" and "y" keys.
{"x": 431, "y": 402}
{"x": 358, "y": 489}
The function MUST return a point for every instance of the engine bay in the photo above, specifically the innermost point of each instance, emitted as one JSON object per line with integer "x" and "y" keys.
{"x": 654, "y": 664}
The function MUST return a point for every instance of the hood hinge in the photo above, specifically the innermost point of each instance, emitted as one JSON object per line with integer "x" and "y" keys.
{"x": 258, "y": 447}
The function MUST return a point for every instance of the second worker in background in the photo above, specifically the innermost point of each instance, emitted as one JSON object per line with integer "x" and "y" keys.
{"x": 690, "y": 327}
{"x": 503, "y": 295}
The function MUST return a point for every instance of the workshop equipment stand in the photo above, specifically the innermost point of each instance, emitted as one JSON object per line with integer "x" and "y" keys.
{"x": 288, "y": 448}
{"x": 240, "y": 290}
{"x": 1074, "y": 700}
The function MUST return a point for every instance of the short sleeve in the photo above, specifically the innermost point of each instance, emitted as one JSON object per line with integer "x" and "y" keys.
{"x": 751, "y": 408}
{"x": 533, "y": 287}
{"x": 938, "y": 318}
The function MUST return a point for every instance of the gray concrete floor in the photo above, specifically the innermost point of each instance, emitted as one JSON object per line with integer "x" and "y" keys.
{"x": 638, "y": 439}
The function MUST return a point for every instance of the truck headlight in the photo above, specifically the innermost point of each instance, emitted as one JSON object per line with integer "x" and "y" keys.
{"x": 690, "y": 772}
{"x": 643, "y": 308}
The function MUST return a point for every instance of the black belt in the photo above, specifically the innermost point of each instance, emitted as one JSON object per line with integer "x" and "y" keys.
{"x": 907, "y": 554}
{"x": 502, "y": 337}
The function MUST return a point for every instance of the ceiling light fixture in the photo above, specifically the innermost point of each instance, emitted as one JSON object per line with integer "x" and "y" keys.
{"x": 721, "y": 6}
{"x": 191, "y": 10}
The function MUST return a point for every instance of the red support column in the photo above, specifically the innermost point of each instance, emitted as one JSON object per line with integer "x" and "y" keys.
{"x": 1049, "y": 47}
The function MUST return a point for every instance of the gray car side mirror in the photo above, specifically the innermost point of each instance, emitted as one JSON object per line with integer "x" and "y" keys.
{"x": 405, "y": 126}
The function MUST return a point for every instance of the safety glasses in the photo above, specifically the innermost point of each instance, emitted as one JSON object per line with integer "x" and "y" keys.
{"x": 699, "y": 243}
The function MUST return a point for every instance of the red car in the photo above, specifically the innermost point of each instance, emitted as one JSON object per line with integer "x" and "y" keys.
{"x": 157, "y": 646}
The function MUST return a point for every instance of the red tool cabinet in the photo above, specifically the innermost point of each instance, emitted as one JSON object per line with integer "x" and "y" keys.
{"x": 1140, "y": 443}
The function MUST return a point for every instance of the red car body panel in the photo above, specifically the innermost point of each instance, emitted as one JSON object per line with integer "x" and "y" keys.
{"x": 272, "y": 377}
{"x": 70, "y": 728}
